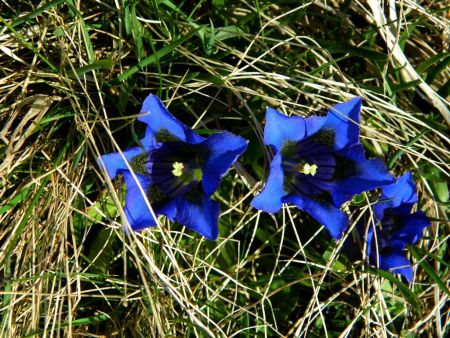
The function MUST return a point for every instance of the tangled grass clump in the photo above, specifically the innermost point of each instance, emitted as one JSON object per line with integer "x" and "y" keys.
{"x": 74, "y": 75}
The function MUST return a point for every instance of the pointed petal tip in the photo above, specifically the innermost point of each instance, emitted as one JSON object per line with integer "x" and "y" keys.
{"x": 406, "y": 271}
{"x": 331, "y": 217}
{"x": 349, "y": 106}
{"x": 223, "y": 150}
{"x": 354, "y": 103}
{"x": 402, "y": 190}
{"x": 265, "y": 203}
{"x": 158, "y": 118}
{"x": 343, "y": 118}
{"x": 356, "y": 100}
{"x": 270, "y": 199}
{"x": 213, "y": 236}
{"x": 337, "y": 229}
{"x": 201, "y": 216}
{"x": 280, "y": 128}
{"x": 136, "y": 204}
{"x": 150, "y": 100}
{"x": 114, "y": 162}
{"x": 396, "y": 262}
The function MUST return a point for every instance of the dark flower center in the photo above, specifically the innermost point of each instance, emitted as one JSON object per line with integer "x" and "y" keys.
{"x": 387, "y": 227}
{"x": 391, "y": 222}
{"x": 309, "y": 167}
{"x": 174, "y": 168}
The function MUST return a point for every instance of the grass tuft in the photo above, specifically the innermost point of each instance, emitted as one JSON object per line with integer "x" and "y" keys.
{"x": 73, "y": 75}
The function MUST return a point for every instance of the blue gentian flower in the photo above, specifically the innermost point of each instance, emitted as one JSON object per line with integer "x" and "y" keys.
{"x": 395, "y": 227}
{"x": 318, "y": 164}
{"x": 177, "y": 169}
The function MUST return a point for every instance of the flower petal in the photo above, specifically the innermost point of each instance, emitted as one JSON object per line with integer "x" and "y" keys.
{"x": 281, "y": 128}
{"x": 334, "y": 220}
{"x": 413, "y": 227}
{"x": 403, "y": 191}
{"x": 115, "y": 161}
{"x": 397, "y": 263}
{"x": 354, "y": 152}
{"x": 343, "y": 120}
{"x": 314, "y": 124}
{"x": 160, "y": 121}
{"x": 136, "y": 209}
{"x": 200, "y": 215}
{"x": 365, "y": 175}
{"x": 222, "y": 150}
{"x": 270, "y": 199}
{"x": 148, "y": 141}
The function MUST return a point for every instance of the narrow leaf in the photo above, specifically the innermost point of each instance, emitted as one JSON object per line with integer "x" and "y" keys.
{"x": 155, "y": 57}
{"x": 407, "y": 293}
{"x": 429, "y": 270}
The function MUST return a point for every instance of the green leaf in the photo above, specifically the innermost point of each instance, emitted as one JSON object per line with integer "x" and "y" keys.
{"x": 75, "y": 322}
{"x": 440, "y": 190}
{"x": 405, "y": 86}
{"x": 228, "y": 32}
{"x": 15, "y": 200}
{"x": 136, "y": 30}
{"x": 362, "y": 52}
{"x": 400, "y": 152}
{"x": 337, "y": 265}
{"x": 155, "y": 57}
{"x": 359, "y": 199}
{"x": 98, "y": 64}
{"x": 95, "y": 210}
{"x": 101, "y": 251}
{"x": 87, "y": 42}
{"x": 126, "y": 17}
{"x": 37, "y": 12}
{"x": 209, "y": 47}
{"x": 444, "y": 91}
{"x": 407, "y": 293}
{"x": 431, "y": 61}
{"x": 439, "y": 68}
{"x": 431, "y": 255}
{"x": 210, "y": 78}
{"x": 429, "y": 270}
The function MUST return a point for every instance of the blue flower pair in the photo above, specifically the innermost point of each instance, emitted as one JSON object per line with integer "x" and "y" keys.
{"x": 319, "y": 164}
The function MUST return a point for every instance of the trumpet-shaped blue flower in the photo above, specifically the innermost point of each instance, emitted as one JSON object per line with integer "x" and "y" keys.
{"x": 318, "y": 164}
{"x": 175, "y": 171}
{"x": 395, "y": 226}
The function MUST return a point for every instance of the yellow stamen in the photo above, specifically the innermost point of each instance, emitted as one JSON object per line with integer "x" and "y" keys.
{"x": 177, "y": 169}
{"x": 308, "y": 169}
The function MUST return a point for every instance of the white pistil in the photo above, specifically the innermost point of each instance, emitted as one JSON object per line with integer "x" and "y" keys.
{"x": 177, "y": 169}
{"x": 308, "y": 169}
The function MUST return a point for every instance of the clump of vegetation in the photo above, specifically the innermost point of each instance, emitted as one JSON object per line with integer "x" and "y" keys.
{"x": 74, "y": 75}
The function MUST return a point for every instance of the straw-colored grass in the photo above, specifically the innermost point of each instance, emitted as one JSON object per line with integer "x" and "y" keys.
{"x": 73, "y": 75}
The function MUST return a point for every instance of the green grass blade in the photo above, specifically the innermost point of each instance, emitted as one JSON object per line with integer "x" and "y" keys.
{"x": 28, "y": 45}
{"x": 155, "y": 57}
{"x": 99, "y": 64}
{"x": 37, "y": 12}
{"x": 407, "y": 293}
{"x": 400, "y": 152}
{"x": 429, "y": 270}
{"x": 15, "y": 200}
